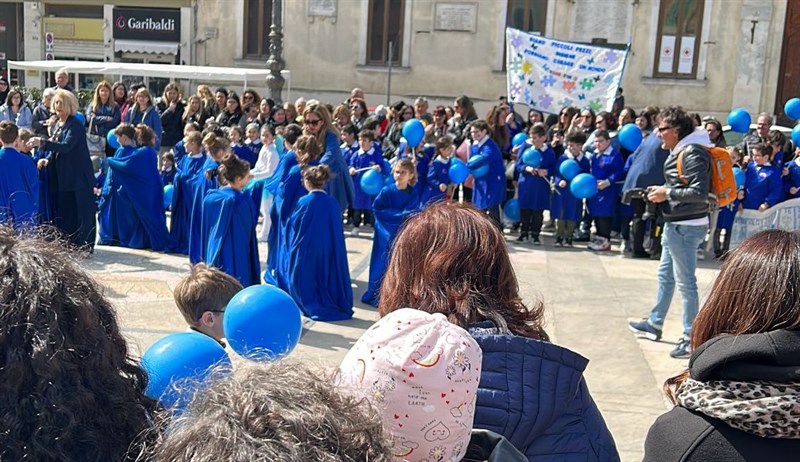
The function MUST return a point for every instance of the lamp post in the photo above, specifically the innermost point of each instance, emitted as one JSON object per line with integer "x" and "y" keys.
{"x": 275, "y": 62}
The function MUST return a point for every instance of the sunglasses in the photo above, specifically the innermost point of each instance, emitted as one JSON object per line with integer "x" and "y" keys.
{"x": 668, "y": 127}
{"x": 314, "y": 123}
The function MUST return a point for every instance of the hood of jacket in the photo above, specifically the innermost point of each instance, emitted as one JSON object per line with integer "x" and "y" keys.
{"x": 698, "y": 136}
{"x": 769, "y": 356}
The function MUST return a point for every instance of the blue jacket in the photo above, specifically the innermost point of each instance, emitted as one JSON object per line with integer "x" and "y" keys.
{"x": 70, "y": 164}
{"x": 23, "y": 118}
{"x": 534, "y": 394}
{"x": 647, "y": 166}
{"x": 105, "y": 119}
{"x": 149, "y": 117}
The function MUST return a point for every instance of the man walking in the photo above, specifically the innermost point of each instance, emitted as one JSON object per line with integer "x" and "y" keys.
{"x": 684, "y": 202}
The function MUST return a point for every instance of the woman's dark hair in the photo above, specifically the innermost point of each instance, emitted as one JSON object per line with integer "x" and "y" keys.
{"x": 466, "y": 103}
{"x": 608, "y": 118}
{"x": 317, "y": 175}
{"x": 124, "y": 129}
{"x": 498, "y": 129}
{"x": 757, "y": 290}
{"x": 232, "y": 167}
{"x": 14, "y": 92}
{"x": 452, "y": 259}
{"x": 254, "y": 94}
{"x": 71, "y": 390}
{"x": 675, "y": 116}
{"x": 145, "y": 135}
{"x": 307, "y": 150}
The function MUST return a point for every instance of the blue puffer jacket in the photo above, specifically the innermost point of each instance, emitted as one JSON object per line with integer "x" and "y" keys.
{"x": 534, "y": 394}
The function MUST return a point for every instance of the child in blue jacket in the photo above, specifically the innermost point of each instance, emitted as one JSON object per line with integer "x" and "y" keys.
{"x": 366, "y": 158}
{"x": 567, "y": 208}
{"x": 533, "y": 185}
{"x": 607, "y": 168}
{"x": 764, "y": 186}
{"x": 439, "y": 172}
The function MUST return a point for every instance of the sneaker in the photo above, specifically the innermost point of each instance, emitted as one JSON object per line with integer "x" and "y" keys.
{"x": 615, "y": 234}
{"x": 536, "y": 240}
{"x": 354, "y": 232}
{"x": 559, "y": 241}
{"x": 682, "y": 350}
{"x": 701, "y": 254}
{"x": 600, "y": 244}
{"x": 644, "y": 329}
{"x": 569, "y": 242}
{"x": 623, "y": 247}
{"x": 522, "y": 238}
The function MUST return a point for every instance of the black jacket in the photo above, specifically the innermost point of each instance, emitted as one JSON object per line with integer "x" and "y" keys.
{"x": 688, "y": 436}
{"x": 488, "y": 446}
{"x": 687, "y": 196}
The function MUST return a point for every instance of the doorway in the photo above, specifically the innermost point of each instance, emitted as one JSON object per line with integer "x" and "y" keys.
{"x": 789, "y": 77}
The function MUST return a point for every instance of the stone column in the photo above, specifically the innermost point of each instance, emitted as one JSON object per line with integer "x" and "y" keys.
{"x": 275, "y": 62}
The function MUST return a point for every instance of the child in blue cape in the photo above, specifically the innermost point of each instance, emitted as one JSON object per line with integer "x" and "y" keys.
{"x": 204, "y": 181}
{"x": 168, "y": 168}
{"x": 19, "y": 183}
{"x": 764, "y": 185}
{"x": 439, "y": 172}
{"x": 253, "y": 141}
{"x": 567, "y": 208}
{"x": 229, "y": 223}
{"x": 366, "y": 158}
{"x": 235, "y": 134}
{"x": 319, "y": 277}
{"x": 135, "y": 199}
{"x": 183, "y": 190}
{"x": 179, "y": 150}
{"x": 534, "y": 185}
{"x": 390, "y": 208}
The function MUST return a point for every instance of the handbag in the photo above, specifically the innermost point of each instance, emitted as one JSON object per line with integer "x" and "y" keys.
{"x": 95, "y": 143}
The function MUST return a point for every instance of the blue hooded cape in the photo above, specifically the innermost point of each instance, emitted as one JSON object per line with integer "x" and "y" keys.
{"x": 340, "y": 186}
{"x": 135, "y": 203}
{"x": 229, "y": 234}
{"x": 201, "y": 187}
{"x": 390, "y": 208}
{"x": 290, "y": 192}
{"x": 274, "y": 185}
{"x": 182, "y": 197}
{"x": 318, "y": 275}
{"x": 19, "y": 189}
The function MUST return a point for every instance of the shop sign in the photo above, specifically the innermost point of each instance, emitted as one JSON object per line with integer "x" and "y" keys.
{"x": 152, "y": 24}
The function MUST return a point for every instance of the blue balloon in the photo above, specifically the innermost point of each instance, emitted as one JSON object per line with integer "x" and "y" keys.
{"x": 739, "y": 120}
{"x": 511, "y": 210}
{"x": 796, "y": 135}
{"x": 168, "y": 196}
{"x": 185, "y": 356}
{"x": 372, "y": 182}
{"x": 792, "y": 108}
{"x": 740, "y": 177}
{"x": 458, "y": 171}
{"x": 583, "y": 186}
{"x": 81, "y": 118}
{"x": 111, "y": 139}
{"x": 388, "y": 180}
{"x": 477, "y": 171}
{"x": 413, "y": 132}
{"x": 569, "y": 169}
{"x": 630, "y": 137}
{"x": 532, "y": 157}
{"x": 262, "y": 323}
{"x": 279, "y": 146}
{"x": 519, "y": 139}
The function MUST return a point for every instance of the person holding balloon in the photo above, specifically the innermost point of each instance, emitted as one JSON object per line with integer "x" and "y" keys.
{"x": 486, "y": 165}
{"x": 365, "y": 159}
{"x": 607, "y": 168}
{"x": 534, "y": 169}
{"x": 319, "y": 275}
{"x": 439, "y": 172}
{"x": 201, "y": 297}
{"x": 392, "y": 206}
{"x": 133, "y": 207}
{"x": 566, "y": 208}
{"x": 763, "y": 187}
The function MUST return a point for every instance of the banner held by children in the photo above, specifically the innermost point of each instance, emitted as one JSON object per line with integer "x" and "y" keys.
{"x": 785, "y": 216}
{"x": 548, "y": 74}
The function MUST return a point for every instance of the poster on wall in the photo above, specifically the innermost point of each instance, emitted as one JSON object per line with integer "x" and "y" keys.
{"x": 667, "y": 54}
{"x": 548, "y": 74}
{"x": 686, "y": 59}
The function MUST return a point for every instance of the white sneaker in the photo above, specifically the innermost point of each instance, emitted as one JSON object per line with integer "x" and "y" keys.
{"x": 600, "y": 244}
{"x": 701, "y": 254}
{"x": 354, "y": 232}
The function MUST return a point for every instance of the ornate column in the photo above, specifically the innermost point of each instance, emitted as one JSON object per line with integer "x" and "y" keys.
{"x": 275, "y": 62}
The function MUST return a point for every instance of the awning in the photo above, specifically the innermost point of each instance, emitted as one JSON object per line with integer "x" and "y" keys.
{"x": 146, "y": 46}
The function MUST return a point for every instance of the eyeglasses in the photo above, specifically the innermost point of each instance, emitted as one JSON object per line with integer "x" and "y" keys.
{"x": 668, "y": 127}
{"x": 313, "y": 123}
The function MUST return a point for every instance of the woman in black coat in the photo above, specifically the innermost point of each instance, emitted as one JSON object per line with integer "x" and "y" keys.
{"x": 739, "y": 400}
{"x": 171, "y": 109}
{"x": 70, "y": 172}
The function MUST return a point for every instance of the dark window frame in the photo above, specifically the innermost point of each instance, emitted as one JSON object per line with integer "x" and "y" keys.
{"x": 525, "y": 26}
{"x": 262, "y": 48}
{"x": 679, "y": 26}
{"x": 384, "y": 26}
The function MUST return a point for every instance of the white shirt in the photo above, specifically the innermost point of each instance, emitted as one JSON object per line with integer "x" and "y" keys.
{"x": 267, "y": 162}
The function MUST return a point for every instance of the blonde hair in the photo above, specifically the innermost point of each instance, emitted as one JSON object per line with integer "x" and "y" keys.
{"x": 67, "y": 99}
{"x": 325, "y": 116}
{"x": 205, "y": 95}
{"x": 143, "y": 91}
{"x": 96, "y": 102}
{"x": 188, "y": 111}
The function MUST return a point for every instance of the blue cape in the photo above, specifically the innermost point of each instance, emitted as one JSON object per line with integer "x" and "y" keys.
{"x": 229, "y": 234}
{"x": 182, "y": 197}
{"x": 274, "y": 185}
{"x": 390, "y": 208}
{"x": 318, "y": 275}
{"x": 340, "y": 186}
{"x": 200, "y": 187}
{"x": 19, "y": 189}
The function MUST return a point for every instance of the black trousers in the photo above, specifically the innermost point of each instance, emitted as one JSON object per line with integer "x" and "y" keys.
{"x": 531, "y": 222}
{"x": 603, "y": 226}
{"x": 638, "y": 226}
{"x": 75, "y": 217}
{"x": 494, "y": 214}
{"x": 361, "y": 214}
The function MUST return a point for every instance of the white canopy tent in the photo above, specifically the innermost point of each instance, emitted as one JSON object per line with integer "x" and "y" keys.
{"x": 201, "y": 74}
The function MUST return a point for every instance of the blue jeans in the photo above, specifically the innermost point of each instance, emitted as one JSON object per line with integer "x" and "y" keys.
{"x": 678, "y": 264}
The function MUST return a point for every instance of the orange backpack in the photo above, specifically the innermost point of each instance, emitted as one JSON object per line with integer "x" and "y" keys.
{"x": 723, "y": 183}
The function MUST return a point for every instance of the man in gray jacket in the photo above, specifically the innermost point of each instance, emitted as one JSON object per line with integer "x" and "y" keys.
{"x": 684, "y": 200}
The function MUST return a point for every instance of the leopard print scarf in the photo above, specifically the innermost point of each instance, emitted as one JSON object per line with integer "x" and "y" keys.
{"x": 765, "y": 409}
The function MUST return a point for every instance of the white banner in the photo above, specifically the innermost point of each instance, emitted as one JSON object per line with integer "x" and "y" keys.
{"x": 785, "y": 216}
{"x": 548, "y": 74}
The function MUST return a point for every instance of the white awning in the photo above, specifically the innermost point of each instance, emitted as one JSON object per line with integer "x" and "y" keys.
{"x": 146, "y": 46}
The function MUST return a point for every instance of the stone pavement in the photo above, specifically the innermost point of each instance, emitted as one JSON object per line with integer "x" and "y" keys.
{"x": 589, "y": 298}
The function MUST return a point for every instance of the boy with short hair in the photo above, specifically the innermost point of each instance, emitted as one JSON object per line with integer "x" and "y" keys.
{"x": 202, "y": 297}
{"x": 19, "y": 181}
{"x": 25, "y": 135}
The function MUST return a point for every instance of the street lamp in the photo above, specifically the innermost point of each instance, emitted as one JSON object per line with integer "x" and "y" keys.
{"x": 275, "y": 62}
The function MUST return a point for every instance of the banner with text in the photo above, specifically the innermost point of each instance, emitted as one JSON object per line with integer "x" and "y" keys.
{"x": 548, "y": 74}
{"x": 785, "y": 216}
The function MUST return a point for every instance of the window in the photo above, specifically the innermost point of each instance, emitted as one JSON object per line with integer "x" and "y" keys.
{"x": 74, "y": 11}
{"x": 385, "y": 27}
{"x": 678, "y": 39}
{"x": 257, "y": 23}
{"x": 527, "y": 16}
